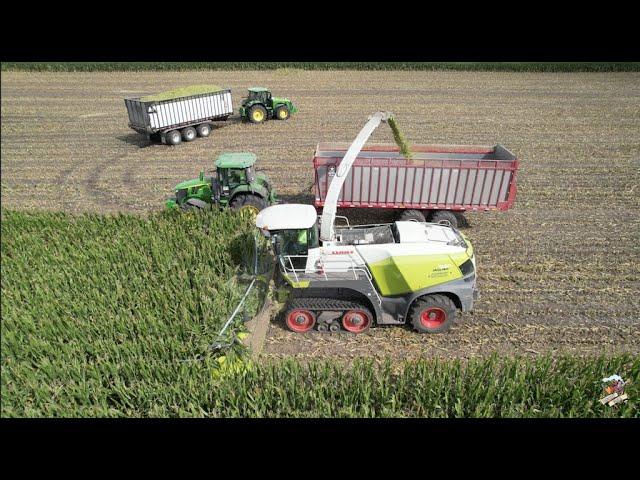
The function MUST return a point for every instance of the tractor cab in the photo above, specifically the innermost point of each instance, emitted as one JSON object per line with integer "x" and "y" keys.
{"x": 233, "y": 170}
{"x": 259, "y": 94}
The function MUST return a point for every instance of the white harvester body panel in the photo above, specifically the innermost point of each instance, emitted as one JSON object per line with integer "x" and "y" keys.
{"x": 377, "y": 253}
{"x": 287, "y": 217}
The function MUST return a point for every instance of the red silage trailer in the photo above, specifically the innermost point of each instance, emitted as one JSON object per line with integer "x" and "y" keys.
{"x": 437, "y": 181}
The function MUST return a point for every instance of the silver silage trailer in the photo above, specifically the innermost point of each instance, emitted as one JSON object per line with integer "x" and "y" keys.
{"x": 177, "y": 119}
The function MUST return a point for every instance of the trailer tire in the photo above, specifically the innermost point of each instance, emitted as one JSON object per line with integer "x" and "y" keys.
{"x": 257, "y": 114}
{"x": 282, "y": 112}
{"x": 432, "y": 314}
{"x": 408, "y": 215}
{"x": 173, "y": 137}
{"x": 189, "y": 134}
{"x": 204, "y": 130}
{"x": 439, "y": 215}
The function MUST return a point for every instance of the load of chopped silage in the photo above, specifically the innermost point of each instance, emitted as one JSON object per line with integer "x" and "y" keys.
{"x": 181, "y": 92}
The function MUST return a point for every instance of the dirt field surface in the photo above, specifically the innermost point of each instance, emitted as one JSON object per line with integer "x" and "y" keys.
{"x": 558, "y": 273}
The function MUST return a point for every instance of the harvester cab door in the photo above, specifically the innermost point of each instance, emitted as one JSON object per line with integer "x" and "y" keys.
{"x": 294, "y": 246}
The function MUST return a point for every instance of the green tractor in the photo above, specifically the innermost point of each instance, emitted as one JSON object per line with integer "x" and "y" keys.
{"x": 260, "y": 106}
{"x": 234, "y": 183}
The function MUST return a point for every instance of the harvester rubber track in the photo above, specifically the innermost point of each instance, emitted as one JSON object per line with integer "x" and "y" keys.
{"x": 318, "y": 305}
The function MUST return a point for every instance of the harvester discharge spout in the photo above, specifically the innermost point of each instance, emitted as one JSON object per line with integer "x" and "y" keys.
{"x": 327, "y": 232}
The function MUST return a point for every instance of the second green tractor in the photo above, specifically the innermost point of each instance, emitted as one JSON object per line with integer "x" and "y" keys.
{"x": 260, "y": 105}
{"x": 234, "y": 184}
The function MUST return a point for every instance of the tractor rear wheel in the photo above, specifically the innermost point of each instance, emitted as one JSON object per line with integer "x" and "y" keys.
{"x": 416, "y": 215}
{"x": 432, "y": 314}
{"x": 189, "y": 134}
{"x": 282, "y": 112}
{"x": 204, "y": 130}
{"x": 439, "y": 215}
{"x": 173, "y": 137}
{"x": 257, "y": 114}
{"x": 248, "y": 204}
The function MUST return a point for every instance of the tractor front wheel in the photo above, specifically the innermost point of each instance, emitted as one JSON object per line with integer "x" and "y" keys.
{"x": 432, "y": 314}
{"x": 257, "y": 114}
{"x": 282, "y": 112}
{"x": 248, "y": 204}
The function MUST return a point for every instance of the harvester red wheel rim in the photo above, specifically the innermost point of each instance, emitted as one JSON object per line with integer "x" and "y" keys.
{"x": 356, "y": 321}
{"x": 433, "y": 317}
{"x": 300, "y": 320}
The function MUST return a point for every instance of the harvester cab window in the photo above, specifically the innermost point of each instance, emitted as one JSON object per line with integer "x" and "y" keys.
{"x": 292, "y": 242}
{"x": 313, "y": 237}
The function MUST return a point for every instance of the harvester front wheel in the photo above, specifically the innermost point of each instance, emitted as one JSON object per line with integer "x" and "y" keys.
{"x": 300, "y": 320}
{"x": 282, "y": 112}
{"x": 432, "y": 314}
{"x": 249, "y": 205}
{"x": 257, "y": 114}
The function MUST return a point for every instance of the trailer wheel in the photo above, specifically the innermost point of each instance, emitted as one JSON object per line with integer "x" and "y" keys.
{"x": 173, "y": 137}
{"x": 189, "y": 134}
{"x": 282, "y": 112}
{"x": 432, "y": 314}
{"x": 204, "y": 130}
{"x": 440, "y": 215}
{"x": 408, "y": 215}
{"x": 257, "y": 114}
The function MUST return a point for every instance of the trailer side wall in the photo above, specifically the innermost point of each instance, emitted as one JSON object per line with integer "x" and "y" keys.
{"x": 151, "y": 117}
{"x": 449, "y": 180}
